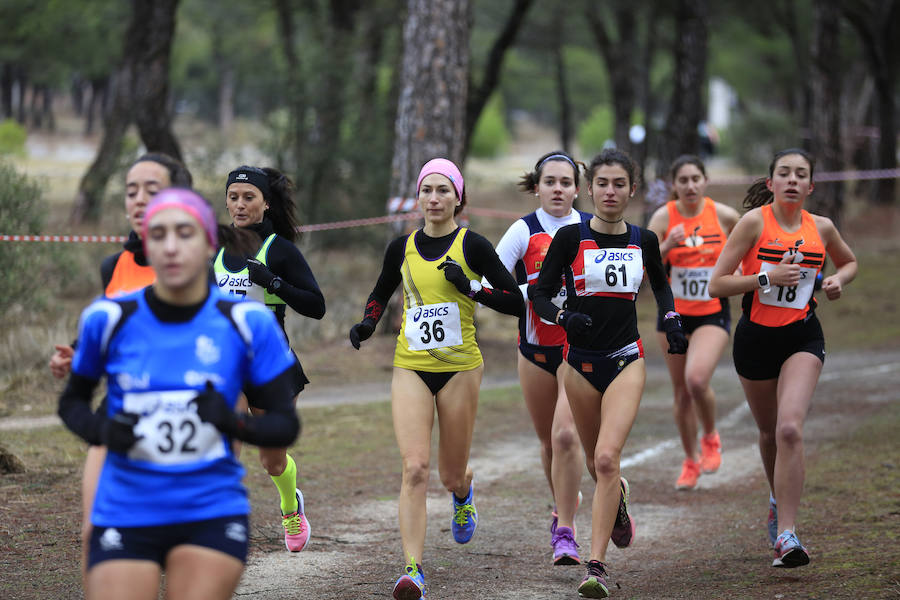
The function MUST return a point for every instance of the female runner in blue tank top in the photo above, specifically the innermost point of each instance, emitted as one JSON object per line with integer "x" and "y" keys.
{"x": 175, "y": 355}
{"x": 277, "y": 275}
{"x": 603, "y": 263}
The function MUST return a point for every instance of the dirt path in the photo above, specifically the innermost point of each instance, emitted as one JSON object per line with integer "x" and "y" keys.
{"x": 355, "y": 552}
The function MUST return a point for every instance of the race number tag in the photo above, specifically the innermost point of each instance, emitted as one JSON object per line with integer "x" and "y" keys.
{"x": 794, "y": 296}
{"x": 559, "y": 299}
{"x": 173, "y": 433}
{"x": 690, "y": 283}
{"x": 618, "y": 270}
{"x": 433, "y": 326}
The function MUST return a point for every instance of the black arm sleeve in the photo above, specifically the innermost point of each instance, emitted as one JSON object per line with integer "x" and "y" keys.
{"x": 656, "y": 272}
{"x": 107, "y": 267}
{"x": 556, "y": 263}
{"x": 299, "y": 288}
{"x": 75, "y": 409}
{"x": 505, "y": 296}
{"x": 280, "y": 425}
{"x": 388, "y": 280}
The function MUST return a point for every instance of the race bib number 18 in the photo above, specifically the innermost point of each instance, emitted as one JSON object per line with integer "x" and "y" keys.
{"x": 173, "y": 433}
{"x": 433, "y": 326}
{"x": 793, "y": 296}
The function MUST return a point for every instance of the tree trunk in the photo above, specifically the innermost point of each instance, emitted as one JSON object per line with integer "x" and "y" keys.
{"x": 825, "y": 93}
{"x": 151, "y": 84}
{"x": 140, "y": 91}
{"x": 877, "y": 25}
{"x": 562, "y": 93}
{"x": 431, "y": 109}
{"x": 296, "y": 91}
{"x": 620, "y": 57}
{"x": 478, "y": 96}
{"x": 6, "y": 91}
{"x": 686, "y": 106}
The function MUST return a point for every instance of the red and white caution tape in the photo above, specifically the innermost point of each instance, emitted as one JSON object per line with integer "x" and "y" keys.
{"x": 63, "y": 238}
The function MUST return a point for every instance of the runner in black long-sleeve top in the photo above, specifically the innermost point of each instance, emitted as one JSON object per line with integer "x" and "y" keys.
{"x": 603, "y": 262}
{"x": 260, "y": 200}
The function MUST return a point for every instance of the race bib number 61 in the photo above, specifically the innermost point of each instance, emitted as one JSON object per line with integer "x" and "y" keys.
{"x": 433, "y": 326}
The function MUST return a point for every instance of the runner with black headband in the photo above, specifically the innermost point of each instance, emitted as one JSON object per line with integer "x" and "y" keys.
{"x": 554, "y": 181}
{"x": 437, "y": 363}
{"x": 260, "y": 200}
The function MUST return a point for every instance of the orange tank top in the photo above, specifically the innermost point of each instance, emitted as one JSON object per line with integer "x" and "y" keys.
{"x": 128, "y": 276}
{"x": 691, "y": 262}
{"x": 783, "y": 305}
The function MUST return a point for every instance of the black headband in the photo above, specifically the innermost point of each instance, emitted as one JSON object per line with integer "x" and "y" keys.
{"x": 251, "y": 175}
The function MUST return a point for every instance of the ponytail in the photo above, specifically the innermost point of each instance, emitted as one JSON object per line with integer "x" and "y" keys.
{"x": 758, "y": 194}
{"x": 281, "y": 204}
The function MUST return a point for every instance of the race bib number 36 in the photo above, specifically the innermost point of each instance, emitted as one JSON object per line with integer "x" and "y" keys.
{"x": 172, "y": 432}
{"x": 433, "y": 326}
{"x": 619, "y": 270}
{"x": 690, "y": 283}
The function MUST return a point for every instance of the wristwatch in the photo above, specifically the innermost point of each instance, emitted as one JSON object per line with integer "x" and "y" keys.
{"x": 274, "y": 286}
{"x": 763, "y": 279}
{"x": 474, "y": 287}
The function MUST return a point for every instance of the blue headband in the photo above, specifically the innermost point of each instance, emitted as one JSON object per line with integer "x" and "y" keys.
{"x": 557, "y": 157}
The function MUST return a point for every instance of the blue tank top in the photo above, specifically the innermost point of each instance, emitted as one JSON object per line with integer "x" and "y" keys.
{"x": 182, "y": 470}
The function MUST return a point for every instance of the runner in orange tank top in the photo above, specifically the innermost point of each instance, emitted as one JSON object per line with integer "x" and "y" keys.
{"x": 779, "y": 348}
{"x": 692, "y": 229}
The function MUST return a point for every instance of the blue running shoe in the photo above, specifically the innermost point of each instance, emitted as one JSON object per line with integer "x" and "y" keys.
{"x": 465, "y": 517}
{"x": 594, "y": 583}
{"x": 772, "y": 522}
{"x": 410, "y": 585}
{"x": 789, "y": 552}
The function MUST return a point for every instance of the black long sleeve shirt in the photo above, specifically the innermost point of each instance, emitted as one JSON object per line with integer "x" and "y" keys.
{"x": 614, "y": 319}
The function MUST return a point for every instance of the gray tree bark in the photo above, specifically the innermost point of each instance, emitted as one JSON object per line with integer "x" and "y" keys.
{"x": 687, "y": 103}
{"x": 431, "y": 110}
{"x": 825, "y": 110}
{"x": 140, "y": 94}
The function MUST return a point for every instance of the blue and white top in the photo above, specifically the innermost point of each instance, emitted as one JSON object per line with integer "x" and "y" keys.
{"x": 181, "y": 469}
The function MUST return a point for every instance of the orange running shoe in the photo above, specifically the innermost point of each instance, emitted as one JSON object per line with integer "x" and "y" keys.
{"x": 690, "y": 473}
{"x": 710, "y": 452}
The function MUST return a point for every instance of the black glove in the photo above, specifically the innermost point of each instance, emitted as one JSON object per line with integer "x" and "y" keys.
{"x": 117, "y": 432}
{"x": 260, "y": 273}
{"x": 575, "y": 322}
{"x": 361, "y": 332}
{"x": 212, "y": 408}
{"x": 675, "y": 335}
{"x": 454, "y": 274}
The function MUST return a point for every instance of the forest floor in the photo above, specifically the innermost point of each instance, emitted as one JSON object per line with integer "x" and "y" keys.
{"x": 706, "y": 543}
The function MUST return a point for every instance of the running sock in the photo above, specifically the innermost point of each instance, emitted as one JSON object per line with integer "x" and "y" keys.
{"x": 287, "y": 486}
{"x": 771, "y": 498}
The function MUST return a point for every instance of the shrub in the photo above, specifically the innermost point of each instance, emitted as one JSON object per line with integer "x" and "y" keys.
{"x": 491, "y": 136}
{"x": 596, "y": 130}
{"x": 12, "y": 138}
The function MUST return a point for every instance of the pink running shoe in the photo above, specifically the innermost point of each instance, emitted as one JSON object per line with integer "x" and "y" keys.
{"x": 690, "y": 473}
{"x": 296, "y": 527}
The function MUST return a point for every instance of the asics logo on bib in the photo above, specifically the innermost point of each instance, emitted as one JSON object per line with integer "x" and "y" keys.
{"x": 428, "y": 313}
{"x": 613, "y": 255}
{"x": 235, "y": 282}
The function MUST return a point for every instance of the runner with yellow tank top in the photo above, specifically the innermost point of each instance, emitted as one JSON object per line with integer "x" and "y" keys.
{"x": 692, "y": 230}
{"x": 260, "y": 200}
{"x": 437, "y": 363}
{"x": 779, "y": 348}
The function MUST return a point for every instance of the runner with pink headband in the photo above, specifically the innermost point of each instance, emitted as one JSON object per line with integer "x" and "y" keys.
{"x": 444, "y": 167}
{"x": 188, "y": 201}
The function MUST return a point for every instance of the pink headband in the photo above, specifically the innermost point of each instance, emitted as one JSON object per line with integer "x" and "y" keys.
{"x": 444, "y": 167}
{"x": 191, "y": 203}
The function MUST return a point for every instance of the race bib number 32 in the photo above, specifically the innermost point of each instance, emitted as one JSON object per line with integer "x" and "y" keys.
{"x": 173, "y": 433}
{"x": 433, "y": 326}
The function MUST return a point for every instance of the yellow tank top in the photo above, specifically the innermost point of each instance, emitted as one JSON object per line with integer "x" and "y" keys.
{"x": 437, "y": 333}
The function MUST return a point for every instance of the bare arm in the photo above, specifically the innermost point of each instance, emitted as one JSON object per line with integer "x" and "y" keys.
{"x": 723, "y": 281}
{"x": 841, "y": 254}
{"x": 728, "y": 217}
{"x": 658, "y": 224}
